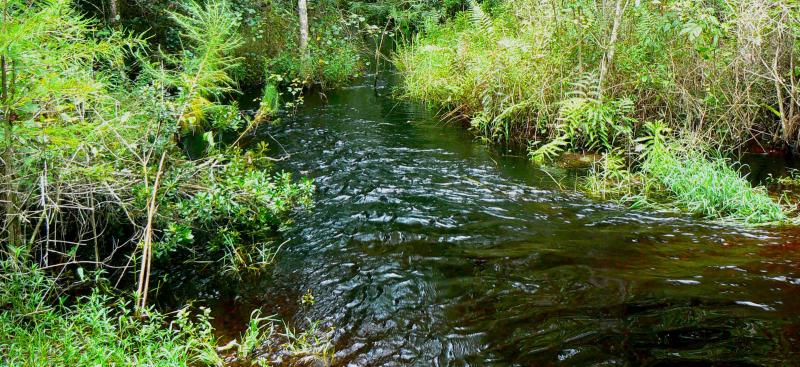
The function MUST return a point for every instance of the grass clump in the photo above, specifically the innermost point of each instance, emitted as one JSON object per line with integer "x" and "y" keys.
{"x": 93, "y": 330}
{"x": 709, "y": 186}
{"x": 681, "y": 173}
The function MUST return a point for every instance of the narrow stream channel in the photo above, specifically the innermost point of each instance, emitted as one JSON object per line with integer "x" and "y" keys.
{"x": 425, "y": 248}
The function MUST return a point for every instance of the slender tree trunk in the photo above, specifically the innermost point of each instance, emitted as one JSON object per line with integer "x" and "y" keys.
{"x": 113, "y": 13}
{"x": 147, "y": 248}
{"x": 793, "y": 99}
{"x": 378, "y": 54}
{"x": 778, "y": 81}
{"x": 12, "y": 224}
{"x": 302, "y": 10}
{"x": 577, "y": 13}
{"x": 11, "y": 220}
{"x": 608, "y": 58}
{"x": 94, "y": 234}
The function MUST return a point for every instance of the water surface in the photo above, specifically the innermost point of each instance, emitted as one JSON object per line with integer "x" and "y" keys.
{"x": 426, "y": 248}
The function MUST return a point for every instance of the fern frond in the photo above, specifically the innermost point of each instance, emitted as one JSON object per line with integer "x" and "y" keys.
{"x": 480, "y": 18}
{"x": 549, "y": 150}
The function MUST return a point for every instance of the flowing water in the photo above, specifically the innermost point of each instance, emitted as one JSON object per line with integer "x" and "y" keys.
{"x": 426, "y": 248}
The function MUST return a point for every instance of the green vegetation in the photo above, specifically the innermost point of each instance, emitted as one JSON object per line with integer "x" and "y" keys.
{"x": 99, "y": 329}
{"x": 94, "y": 331}
{"x": 588, "y": 76}
{"x": 98, "y": 179}
{"x": 125, "y": 156}
{"x": 682, "y": 174}
{"x": 88, "y": 142}
{"x": 709, "y": 186}
{"x": 268, "y": 37}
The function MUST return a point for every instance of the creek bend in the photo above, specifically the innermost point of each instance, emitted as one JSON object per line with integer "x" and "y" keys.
{"x": 427, "y": 248}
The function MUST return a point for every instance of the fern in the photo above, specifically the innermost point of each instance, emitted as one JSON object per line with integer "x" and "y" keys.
{"x": 654, "y": 140}
{"x": 549, "y": 150}
{"x": 502, "y": 121}
{"x": 591, "y": 122}
{"x": 482, "y": 123}
{"x": 480, "y": 18}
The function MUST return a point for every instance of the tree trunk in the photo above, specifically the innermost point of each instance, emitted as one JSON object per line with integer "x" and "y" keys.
{"x": 302, "y": 10}
{"x": 608, "y": 58}
{"x": 147, "y": 247}
{"x": 12, "y": 224}
{"x": 113, "y": 13}
{"x": 12, "y": 216}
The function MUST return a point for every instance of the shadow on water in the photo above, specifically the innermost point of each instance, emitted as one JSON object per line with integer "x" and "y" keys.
{"x": 426, "y": 248}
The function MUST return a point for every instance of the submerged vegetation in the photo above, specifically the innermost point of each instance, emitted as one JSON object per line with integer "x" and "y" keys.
{"x": 589, "y": 76}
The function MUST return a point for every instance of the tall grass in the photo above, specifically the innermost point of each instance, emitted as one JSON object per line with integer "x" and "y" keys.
{"x": 677, "y": 171}
{"x": 97, "y": 330}
{"x": 490, "y": 71}
{"x": 709, "y": 185}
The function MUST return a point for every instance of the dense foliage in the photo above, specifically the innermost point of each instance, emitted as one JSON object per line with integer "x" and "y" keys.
{"x": 268, "y": 36}
{"x": 89, "y": 142}
{"x": 588, "y": 76}
{"x": 122, "y": 149}
{"x": 97, "y": 175}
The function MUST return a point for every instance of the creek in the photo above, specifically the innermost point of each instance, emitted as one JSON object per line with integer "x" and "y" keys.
{"x": 427, "y": 248}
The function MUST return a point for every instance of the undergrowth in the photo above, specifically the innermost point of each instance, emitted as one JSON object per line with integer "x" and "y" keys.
{"x": 40, "y": 326}
{"x": 96, "y": 330}
{"x": 587, "y": 76}
{"x": 675, "y": 171}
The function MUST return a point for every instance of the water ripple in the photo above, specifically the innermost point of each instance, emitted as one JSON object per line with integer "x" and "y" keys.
{"x": 425, "y": 248}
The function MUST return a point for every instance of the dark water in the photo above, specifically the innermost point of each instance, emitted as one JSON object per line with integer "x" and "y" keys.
{"x": 428, "y": 249}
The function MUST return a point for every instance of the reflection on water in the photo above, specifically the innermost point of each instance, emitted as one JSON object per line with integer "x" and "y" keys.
{"x": 425, "y": 248}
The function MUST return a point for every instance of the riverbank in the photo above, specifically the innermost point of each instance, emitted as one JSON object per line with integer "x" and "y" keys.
{"x": 593, "y": 78}
{"x": 100, "y": 194}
